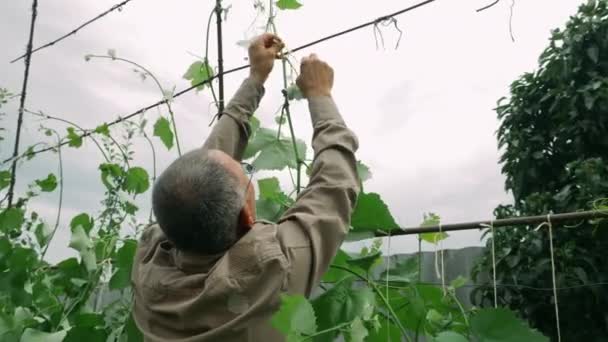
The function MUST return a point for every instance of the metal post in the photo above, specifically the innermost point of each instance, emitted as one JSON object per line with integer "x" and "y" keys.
{"x": 28, "y": 58}
{"x": 220, "y": 55}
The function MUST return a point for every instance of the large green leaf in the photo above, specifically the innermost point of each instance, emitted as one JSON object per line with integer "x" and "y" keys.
{"x": 333, "y": 274}
{"x": 342, "y": 304}
{"x": 83, "y": 220}
{"x": 136, "y": 181}
{"x": 406, "y": 271}
{"x": 11, "y": 219}
{"x": 48, "y": 184}
{"x": 271, "y": 153}
{"x": 162, "y": 129}
{"x": 132, "y": 332}
{"x": 111, "y": 175}
{"x": 366, "y": 262}
{"x": 501, "y": 325}
{"x": 295, "y": 318}
{"x": 43, "y": 233}
{"x": 371, "y": 214}
{"x": 198, "y": 72}
{"x": 82, "y": 334}
{"x": 268, "y": 210}
{"x": 288, "y": 4}
{"x": 123, "y": 262}
{"x": 357, "y": 332}
{"x": 269, "y": 188}
{"x": 5, "y": 179}
{"x": 449, "y": 336}
{"x": 81, "y": 242}
{"x": 33, "y": 335}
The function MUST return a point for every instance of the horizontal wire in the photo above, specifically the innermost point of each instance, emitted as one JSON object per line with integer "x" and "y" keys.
{"x": 74, "y": 31}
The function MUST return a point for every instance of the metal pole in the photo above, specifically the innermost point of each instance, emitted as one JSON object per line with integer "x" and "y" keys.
{"x": 514, "y": 221}
{"x": 28, "y": 58}
{"x": 220, "y": 55}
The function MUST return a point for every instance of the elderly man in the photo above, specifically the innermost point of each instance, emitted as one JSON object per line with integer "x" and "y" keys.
{"x": 208, "y": 271}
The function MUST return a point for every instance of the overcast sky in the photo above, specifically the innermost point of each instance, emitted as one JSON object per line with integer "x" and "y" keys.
{"x": 423, "y": 112}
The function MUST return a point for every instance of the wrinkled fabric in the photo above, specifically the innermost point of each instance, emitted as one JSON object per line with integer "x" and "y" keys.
{"x": 232, "y": 296}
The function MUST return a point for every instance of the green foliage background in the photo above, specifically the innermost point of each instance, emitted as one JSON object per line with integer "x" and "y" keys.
{"x": 554, "y": 134}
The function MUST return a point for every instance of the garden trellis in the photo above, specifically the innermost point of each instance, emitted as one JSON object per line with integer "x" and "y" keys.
{"x": 357, "y": 324}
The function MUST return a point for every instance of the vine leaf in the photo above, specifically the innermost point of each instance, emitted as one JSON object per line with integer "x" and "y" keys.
{"x": 48, "y": 184}
{"x": 366, "y": 262}
{"x": 450, "y": 336}
{"x": 162, "y": 129}
{"x": 81, "y": 242}
{"x": 357, "y": 332}
{"x": 371, "y": 214}
{"x": 272, "y": 202}
{"x": 271, "y": 153}
{"x": 288, "y": 4}
{"x": 432, "y": 220}
{"x": 342, "y": 304}
{"x": 406, "y": 271}
{"x": 294, "y": 93}
{"x": 458, "y": 282}
{"x": 74, "y": 139}
{"x": 123, "y": 261}
{"x": 136, "y": 181}
{"x": 103, "y": 130}
{"x": 199, "y": 72}
{"x": 33, "y": 335}
{"x": 11, "y": 219}
{"x": 501, "y": 325}
{"x": 5, "y": 179}
{"x": 363, "y": 171}
{"x": 334, "y": 275}
{"x": 83, "y": 220}
{"x": 110, "y": 175}
{"x": 295, "y": 318}
{"x": 42, "y": 233}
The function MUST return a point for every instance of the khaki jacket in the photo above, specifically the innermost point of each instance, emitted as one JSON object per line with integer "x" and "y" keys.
{"x": 232, "y": 296}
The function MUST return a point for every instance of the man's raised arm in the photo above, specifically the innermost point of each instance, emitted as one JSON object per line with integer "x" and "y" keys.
{"x": 232, "y": 131}
{"x": 322, "y": 211}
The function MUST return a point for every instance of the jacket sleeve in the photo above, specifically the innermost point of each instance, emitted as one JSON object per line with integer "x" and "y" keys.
{"x": 231, "y": 133}
{"x": 321, "y": 214}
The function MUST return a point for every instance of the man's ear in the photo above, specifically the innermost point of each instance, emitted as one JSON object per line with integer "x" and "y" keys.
{"x": 246, "y": 218}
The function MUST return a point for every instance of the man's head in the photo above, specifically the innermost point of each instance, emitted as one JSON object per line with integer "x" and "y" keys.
{"x": 204, "y": 202}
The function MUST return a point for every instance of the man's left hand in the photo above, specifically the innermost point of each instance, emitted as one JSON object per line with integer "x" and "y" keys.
{"x": 262, "y": 53}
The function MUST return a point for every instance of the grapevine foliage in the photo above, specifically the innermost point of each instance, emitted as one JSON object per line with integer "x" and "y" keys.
{"x": 88, "y": 297}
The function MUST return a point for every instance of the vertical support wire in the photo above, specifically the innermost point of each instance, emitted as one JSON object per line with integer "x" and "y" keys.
{"x": 26, "y": 74}
{"x": 220, "y": 55}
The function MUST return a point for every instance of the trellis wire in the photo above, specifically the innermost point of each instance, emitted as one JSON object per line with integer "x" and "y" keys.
{"x": 233, "y": 70}
{"x": 74, "y": 31}
{"x": 26, "y": 75}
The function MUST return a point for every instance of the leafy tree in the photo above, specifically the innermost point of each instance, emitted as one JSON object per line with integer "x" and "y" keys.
{"x": 553, "y": 133}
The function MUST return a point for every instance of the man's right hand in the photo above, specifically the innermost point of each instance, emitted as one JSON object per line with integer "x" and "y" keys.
{"x": 316, "y": 77}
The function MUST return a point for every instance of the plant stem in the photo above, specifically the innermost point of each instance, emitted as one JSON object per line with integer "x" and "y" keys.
{"x": 337, "y": 327}
{"x": 207, "y": 57}
{"x": 160, "y": 87}
{"x": 48, "y": 242}
{"x": 291, "y": 130}
{"x": 48, "y": 117}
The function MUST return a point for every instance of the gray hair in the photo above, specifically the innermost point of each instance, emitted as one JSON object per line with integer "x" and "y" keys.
{"x": 197, "y": 203}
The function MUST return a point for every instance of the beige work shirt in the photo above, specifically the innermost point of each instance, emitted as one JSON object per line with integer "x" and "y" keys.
{"x": 232, "y": 296}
